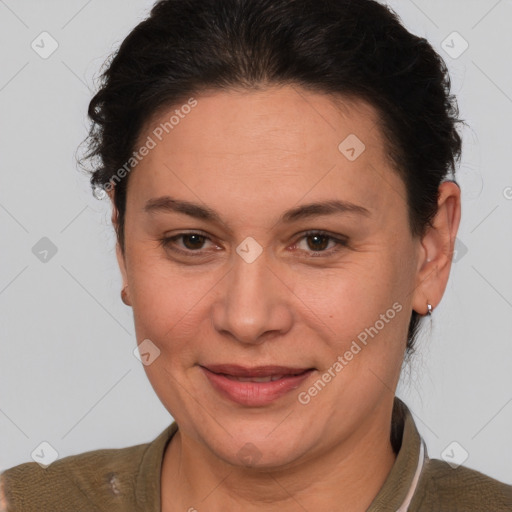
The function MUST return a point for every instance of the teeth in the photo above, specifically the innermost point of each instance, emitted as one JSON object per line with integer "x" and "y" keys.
{"x": 269, "y": 378}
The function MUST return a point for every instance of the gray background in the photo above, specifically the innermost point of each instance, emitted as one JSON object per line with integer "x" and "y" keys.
{"x": 68, "y": 375}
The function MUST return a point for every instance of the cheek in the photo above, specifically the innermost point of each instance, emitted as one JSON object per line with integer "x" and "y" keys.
{"x": 353, "y": 295}
{"x": 168, "y": 303}
{"x": 361, "y": 310}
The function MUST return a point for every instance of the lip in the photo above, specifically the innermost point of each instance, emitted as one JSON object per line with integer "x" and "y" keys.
{"x": 256, "y": 371}
{"x": 254, "y": 394}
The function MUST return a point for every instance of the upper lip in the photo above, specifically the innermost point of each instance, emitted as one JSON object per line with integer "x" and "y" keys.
{"x": 255, "y": 371}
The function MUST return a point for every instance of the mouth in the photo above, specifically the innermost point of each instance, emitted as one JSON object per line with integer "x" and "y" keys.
{"x": 256, "y": 373}
{"x": 255, "y": 386}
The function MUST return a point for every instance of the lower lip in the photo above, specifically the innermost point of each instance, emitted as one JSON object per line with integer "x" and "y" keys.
{"x": 254, "y": 394}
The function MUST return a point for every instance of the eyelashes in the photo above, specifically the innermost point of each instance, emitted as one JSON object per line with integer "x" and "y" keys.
{"x": 339, "y": 242}
{"x": 170, "y": 243}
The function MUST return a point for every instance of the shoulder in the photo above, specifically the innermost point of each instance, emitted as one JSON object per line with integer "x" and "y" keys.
{"x": 89, "y": 478}
{"x": 105, "y": 479}
{"x": 444, "y": 488}
{"x": 3, "y": 504}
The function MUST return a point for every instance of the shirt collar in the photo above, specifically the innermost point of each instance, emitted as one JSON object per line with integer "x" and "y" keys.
{"x": 405, "y": 439}
{"x": 400, "y": 479}
{"x": 147, "y": 487}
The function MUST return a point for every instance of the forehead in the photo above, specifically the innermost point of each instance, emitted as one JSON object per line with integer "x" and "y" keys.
{"x": 284, "y": 143}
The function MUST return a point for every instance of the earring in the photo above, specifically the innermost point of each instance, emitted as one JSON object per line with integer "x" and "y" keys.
{"x": 429, "y": 308}
{"x": 124, "y": 296}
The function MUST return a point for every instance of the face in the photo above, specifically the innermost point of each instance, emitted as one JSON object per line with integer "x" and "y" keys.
{"x": 245, "y": 273}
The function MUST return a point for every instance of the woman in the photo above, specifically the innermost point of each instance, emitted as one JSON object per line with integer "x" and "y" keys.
{"x": 278, "y": 172}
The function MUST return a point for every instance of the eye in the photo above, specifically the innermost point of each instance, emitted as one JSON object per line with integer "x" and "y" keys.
{"x": 192, "y": 242}
{"x": 318, "y": 241}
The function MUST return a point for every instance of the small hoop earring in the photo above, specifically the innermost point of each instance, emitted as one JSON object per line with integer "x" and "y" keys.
{"x": 429, "y": 308}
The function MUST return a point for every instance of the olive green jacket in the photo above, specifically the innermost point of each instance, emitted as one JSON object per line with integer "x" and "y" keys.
{"x": 128, "y": 479}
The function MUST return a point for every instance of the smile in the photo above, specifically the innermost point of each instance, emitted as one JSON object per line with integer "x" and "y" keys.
{"x": 254, "y": 387}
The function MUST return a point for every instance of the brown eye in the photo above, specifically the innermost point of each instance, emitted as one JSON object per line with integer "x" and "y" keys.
{"x": 317, "y": 243}
{"x": 193, "y": 241}
{"x": 192, "y": 244}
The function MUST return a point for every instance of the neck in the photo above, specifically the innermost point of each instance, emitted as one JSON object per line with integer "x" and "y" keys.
{"x": 351, "y": 472}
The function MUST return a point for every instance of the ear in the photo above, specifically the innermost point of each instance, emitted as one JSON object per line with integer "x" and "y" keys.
{"x": 122, "y": 265}
{"x": 436, "y": 251}
{"x": 119, "y": 253}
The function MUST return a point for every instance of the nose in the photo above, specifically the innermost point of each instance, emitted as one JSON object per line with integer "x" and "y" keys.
{"x": 253, "y": 302}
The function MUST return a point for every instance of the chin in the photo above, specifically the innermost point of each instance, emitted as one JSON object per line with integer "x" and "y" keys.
{"x": 254, "y": 448}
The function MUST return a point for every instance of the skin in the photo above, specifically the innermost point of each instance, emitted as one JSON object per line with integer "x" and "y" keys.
{"x": 250, "y": 156}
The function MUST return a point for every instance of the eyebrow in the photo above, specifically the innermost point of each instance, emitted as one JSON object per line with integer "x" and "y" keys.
{"x": 168, "y": 204}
